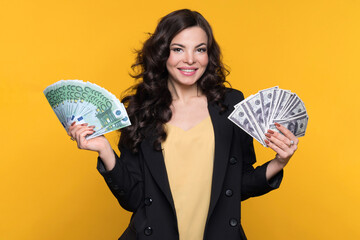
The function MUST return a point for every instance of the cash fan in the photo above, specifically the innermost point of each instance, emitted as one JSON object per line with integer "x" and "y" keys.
{"x": 258, "y": 113}
{"x": 85, "y": 102}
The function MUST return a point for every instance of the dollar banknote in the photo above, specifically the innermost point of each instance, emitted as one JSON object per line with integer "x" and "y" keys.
{"x": 85, "y": 102}
{"x": 266, "y": 97}
{"x": 255, "y": 110}
{"x": 296, "y": 125}
{"x": 241, "y": 118}
{"x": 259, "y": 112}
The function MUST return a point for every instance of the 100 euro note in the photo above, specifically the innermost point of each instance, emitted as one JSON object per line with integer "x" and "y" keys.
{"x": 85, "y": 102}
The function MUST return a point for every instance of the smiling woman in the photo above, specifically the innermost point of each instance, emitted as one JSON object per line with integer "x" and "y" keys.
{"x": 188, "y": 57}
{"x": 158, "y": 61}
{"x": 184, "y": 168}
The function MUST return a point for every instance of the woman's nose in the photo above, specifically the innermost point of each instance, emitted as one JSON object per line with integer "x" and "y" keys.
{"x": 189, "y": 58}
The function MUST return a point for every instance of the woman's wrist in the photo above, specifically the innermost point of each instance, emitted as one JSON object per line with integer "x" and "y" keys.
{"x": 104, "y": 153}
{"x": 281, "y": 162}
{"x": 108, "y": 157}
{"x": 274, "y": 167}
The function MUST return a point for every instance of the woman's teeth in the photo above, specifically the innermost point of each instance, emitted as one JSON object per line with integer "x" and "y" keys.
{"x": 187, "y": 70}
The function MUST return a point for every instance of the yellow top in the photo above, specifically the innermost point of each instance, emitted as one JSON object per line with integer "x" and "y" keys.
{"x": 189, "y": 157}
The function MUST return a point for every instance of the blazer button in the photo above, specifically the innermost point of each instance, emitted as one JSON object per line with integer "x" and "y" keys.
{"x": 233, "y": 222}
{"x": 229, "y": 193}
{"x": 116, "y": 187}
{"x": 148, "y": 231}
{"x": 233, "y": 160}
{"x": 148, "y": 201}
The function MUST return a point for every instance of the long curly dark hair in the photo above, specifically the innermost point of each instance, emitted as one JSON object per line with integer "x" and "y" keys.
{"x": 148, "y": 103}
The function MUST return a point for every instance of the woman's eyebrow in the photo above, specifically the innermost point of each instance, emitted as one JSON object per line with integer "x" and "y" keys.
{"x": 200, "y": 45}
{"x": 180, "y": 45}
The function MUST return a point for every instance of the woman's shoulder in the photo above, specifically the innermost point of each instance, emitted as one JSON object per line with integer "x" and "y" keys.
{"x": 233, "y": 96}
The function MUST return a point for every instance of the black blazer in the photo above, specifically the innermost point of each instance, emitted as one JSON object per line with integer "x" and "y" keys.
{"x": 140, "y": 183}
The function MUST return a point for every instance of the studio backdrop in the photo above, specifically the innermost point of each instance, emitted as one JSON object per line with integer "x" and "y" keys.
{"x": 49, "y": 189}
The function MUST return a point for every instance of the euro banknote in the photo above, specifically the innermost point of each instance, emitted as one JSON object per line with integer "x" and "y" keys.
{"x": 85, "y": 102}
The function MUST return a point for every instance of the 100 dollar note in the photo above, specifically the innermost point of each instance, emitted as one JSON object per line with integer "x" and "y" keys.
{"x": 259, "y": 112}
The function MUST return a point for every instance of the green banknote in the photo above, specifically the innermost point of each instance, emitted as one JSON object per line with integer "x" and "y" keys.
{"x": 85, "y": 102}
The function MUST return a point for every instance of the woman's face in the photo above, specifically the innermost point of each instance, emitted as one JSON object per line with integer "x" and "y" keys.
{"x": 188, "y": 56}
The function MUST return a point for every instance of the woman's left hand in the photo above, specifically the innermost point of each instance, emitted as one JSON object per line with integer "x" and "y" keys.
{"x": 284, "y": 144}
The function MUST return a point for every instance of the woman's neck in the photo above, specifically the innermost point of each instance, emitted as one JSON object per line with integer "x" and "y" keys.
{"x": 183, "y": 93}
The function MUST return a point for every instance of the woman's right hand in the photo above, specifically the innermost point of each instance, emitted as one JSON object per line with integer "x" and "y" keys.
{"x": 79, "y": 132}
{"x": 99, "y": 144}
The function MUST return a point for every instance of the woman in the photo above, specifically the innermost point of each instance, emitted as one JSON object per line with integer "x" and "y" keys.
{"x": 184, "y": 167}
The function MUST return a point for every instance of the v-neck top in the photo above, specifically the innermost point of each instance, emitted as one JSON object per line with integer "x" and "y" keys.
{"x": 189, "y": 158}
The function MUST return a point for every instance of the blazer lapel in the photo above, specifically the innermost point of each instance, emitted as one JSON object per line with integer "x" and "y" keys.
{"x": 223, "y": 136}
{"x": 155, "y": 162}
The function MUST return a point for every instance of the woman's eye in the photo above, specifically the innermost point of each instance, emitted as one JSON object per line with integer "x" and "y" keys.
{"x": 201, "y": 50}
{"x": 177, "y": 49}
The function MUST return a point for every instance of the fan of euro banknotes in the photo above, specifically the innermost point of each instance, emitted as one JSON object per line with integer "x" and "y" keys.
{"x": 85, "y": 102}
{"x": 258, "y": 113}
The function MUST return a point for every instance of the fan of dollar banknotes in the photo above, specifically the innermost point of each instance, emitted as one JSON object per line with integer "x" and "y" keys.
{"x": 258, "y": 113}
{"x": 85, "y": 102}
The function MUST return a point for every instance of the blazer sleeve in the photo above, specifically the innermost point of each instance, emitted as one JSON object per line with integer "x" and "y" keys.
{"x": 125, "y": 180}
{"x": 254, "y": 182}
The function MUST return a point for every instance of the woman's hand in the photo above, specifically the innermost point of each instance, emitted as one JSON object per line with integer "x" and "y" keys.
{"x": 79, "y": 132}
{"x": 99, "y": 144}
{"x": 284, "y": 144}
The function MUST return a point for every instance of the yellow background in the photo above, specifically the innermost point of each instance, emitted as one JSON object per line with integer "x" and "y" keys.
{"x": 51, "y": 190}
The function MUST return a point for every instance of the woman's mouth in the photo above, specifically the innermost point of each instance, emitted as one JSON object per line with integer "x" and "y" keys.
{"x": 188, "y": 71}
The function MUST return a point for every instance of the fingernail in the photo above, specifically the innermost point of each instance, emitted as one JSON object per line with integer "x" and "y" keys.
{"x": 276, "y": 124}
{"x": 266, "y": 141}
{"x": 84, "y": 124}
{"x": 270, "y": 131}
{"x": 267, "y": 135}
{"x": 73, "y": 124}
